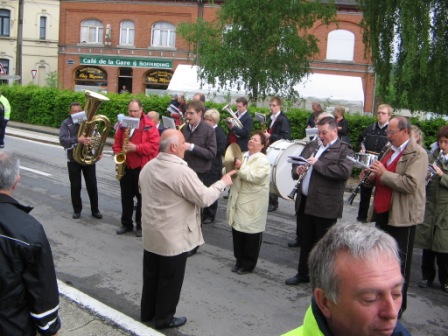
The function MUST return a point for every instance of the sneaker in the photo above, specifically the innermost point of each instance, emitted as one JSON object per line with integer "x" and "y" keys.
{"x": 445, "y": 288}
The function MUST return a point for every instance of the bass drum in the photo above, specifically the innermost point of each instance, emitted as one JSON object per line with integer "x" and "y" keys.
{"x": 277, "y": 153}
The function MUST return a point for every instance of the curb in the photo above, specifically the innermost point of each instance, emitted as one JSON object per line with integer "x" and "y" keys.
{"x": 107, "y": 313}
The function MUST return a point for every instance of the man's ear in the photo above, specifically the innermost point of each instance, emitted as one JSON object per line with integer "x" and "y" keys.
{"x": 14, "y": 186}
{"x": 322, "y": 302}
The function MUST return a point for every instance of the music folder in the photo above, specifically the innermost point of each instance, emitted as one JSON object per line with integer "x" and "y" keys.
{"x": 79, "y": 117}
{"x": 129, "y": 122}
{"x": 168, "y": 122}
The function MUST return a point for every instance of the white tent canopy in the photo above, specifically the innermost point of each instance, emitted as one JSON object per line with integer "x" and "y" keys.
{"x": 328, "y": 89}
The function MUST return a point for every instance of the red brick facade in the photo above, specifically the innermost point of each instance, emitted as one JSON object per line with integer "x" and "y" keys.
{"x": 74, "y": 55}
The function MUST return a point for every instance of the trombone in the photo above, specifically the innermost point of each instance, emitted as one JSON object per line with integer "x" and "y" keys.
{"x": 234, "y": 120}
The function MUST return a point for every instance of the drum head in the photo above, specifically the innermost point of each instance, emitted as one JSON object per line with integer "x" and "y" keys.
{"x": 281, "y": 180}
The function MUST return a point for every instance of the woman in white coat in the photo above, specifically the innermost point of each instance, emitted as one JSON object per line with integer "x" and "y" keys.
{"x": 248, "y": 204}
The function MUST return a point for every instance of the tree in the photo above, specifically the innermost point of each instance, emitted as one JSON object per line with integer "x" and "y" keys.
{"x": 263, "y": 47}
{"x": 415, "y": 32}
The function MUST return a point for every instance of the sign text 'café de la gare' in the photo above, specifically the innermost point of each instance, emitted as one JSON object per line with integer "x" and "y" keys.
{"x": 125, "y": 62}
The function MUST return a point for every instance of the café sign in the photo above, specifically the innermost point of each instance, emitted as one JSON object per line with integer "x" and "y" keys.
{"x": 125, "y": 62}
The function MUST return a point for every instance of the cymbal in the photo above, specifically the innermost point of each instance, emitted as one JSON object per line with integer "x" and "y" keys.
{"x": 233, "y": 152}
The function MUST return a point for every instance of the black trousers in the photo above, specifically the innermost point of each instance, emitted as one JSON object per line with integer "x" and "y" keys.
{"x": 312, "y": 229}
{"x": 162, "y": 283}
{"x": 364, "y": 202}
{"x": 74, "y": 174}
{"x": 3, "y": 124}
{"x": 129, "y": 190}
{"x": 208, "y": 179}
{"x": 405, "y": 239}
{"x": 246, "y": 248}
{"x": 429, "y": 259}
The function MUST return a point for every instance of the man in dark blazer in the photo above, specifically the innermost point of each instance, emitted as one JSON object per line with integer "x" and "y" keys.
{"x": 155, "y": 117}
{"x": 320, "y": 197}
{"x": 238, "y": 135}
{"x": 279, "y": 128}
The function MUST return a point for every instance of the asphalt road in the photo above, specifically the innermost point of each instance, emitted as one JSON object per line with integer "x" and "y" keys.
{"x": 92, "y": 258}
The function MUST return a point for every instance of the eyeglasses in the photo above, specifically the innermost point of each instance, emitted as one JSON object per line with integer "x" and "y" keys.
{"x": 273, "y": 105}
{"x": 392, "y": 132}
{"x": 191, "y": 113}
{"x": 133, "y": 111}
{"x": 382, "y": 113}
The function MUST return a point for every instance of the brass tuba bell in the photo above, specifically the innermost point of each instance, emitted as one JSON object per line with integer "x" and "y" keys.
{"x": 96, "y": 127}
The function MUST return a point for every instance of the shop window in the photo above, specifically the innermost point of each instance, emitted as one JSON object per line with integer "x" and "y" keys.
{"x": 5, "y": 19}
{"x": 91, "y": 78}
{"x": 92, "y": 31}
{"x": 127, "y": 33}
{"x": 158, "y": 79}
{"x": 163, "y": 35}
{"x": 341, "y": 45}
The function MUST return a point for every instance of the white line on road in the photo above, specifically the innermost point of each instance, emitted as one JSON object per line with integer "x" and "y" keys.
{"x": 38, "y": 172}
{"x": 106, "y": 312}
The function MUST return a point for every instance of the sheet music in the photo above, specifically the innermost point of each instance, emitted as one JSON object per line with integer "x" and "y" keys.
{"x": 79, "y": 117}
{"x": 168, "y": 122}
{"x": 129, "y": 122}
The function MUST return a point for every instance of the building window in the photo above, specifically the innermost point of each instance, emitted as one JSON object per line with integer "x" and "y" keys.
{"x": 5, "y": 64}
{"x": 91, "y": 31}
{"x": 127, "y": 33}
{"x": 43, "y": 28}
{"x": 5, "y": 18}
{"x": 163, "y": 35}
{"x": 341, "y": 45}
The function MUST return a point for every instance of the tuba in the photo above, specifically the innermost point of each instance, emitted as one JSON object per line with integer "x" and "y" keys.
{"x": 234, "y": 120}
{"x": 96, "y": 127}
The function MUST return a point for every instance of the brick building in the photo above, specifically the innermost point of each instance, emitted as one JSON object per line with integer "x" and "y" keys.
{"x": 133, "y": 46}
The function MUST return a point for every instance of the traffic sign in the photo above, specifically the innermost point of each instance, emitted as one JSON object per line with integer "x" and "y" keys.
{"x": 33, "y": 73}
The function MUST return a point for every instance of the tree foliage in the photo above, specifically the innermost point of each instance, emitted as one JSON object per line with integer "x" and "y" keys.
{"x": 263, "y": 47}
{"x": 415, "y": 32}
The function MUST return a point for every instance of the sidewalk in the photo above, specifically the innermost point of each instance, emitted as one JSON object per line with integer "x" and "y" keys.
{"x": 80, "y": 314}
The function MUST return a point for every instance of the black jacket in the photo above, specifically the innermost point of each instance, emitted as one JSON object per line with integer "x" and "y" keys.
{"x": 68, "y": 136}
{"x": 281, "y": 129}
{"x": 374, "y": 138}
{"x": 243, "y": 134}
{"x": 29, "y": 297}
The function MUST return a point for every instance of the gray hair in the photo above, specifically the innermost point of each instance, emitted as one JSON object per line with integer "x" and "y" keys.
{"x": 361, "y": 241}
{"x": 9, "y": 170}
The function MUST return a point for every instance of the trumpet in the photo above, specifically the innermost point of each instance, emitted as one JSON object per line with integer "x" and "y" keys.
{"x": 431, "y": 172}
{"x": 364, "y": 180}
{"x": 234, "y": 120}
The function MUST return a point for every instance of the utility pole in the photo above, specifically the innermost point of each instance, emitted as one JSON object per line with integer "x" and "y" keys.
{"x": 19, "y": 43}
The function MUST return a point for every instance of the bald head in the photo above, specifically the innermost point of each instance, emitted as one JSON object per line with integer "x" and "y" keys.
{"x": 154, "y": 116}
{"x": 172, "y": 142}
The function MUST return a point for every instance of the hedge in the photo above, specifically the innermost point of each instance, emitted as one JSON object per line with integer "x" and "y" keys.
{"x": 49, "y": 106}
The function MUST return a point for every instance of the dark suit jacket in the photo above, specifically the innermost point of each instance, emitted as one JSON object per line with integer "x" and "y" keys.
{"x": 327, "y": 184}
{"x": 221, "y": 142}
{"x": 243, "y": 134}
{"x": 281, "y": 129}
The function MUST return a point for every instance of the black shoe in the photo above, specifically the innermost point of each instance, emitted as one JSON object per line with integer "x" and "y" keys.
{"x": 2, "y": 146}
{"x": 361, "y": 220}
{"x": 174, "y": 323}
{"x": 235, "y": 268}
{"x": 226, "y": 197}
{"x": 445, "y": 288}
{"x": 208, "y": 220}
{"x": 76, "y": 215}
{"x": 97, "y": 215}
{"x": 123, "y": 230}
{"x": 424, "y": 283}
{"x": 193, "y": 251}
{"x": 296, "y": 279}
{"x": 138, "y": 232}
{"x": 272, "y": 207}
{"x": 294, "y": 243}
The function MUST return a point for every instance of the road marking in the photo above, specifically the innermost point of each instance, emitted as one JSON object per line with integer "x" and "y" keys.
{"x": 108, "y": 313}
{"x": 38, "y": 172}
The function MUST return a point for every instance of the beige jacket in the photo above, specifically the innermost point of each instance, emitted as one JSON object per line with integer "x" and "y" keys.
{"x": 407, "y": 206}
{"x": 172, "y": 197}
{"x": 247, "y": 207}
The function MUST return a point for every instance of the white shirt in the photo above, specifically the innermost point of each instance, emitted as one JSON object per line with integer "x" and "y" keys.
{"x": 397, "y": 151}
{"x": 307, "y": 177}
{"x": 273, "y": 117}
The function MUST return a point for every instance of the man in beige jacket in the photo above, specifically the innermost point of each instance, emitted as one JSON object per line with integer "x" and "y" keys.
{"x": 172, "y": 198}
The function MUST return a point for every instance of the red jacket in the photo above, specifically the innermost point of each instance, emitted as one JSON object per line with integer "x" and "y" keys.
{"x": 146, "y": 137}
